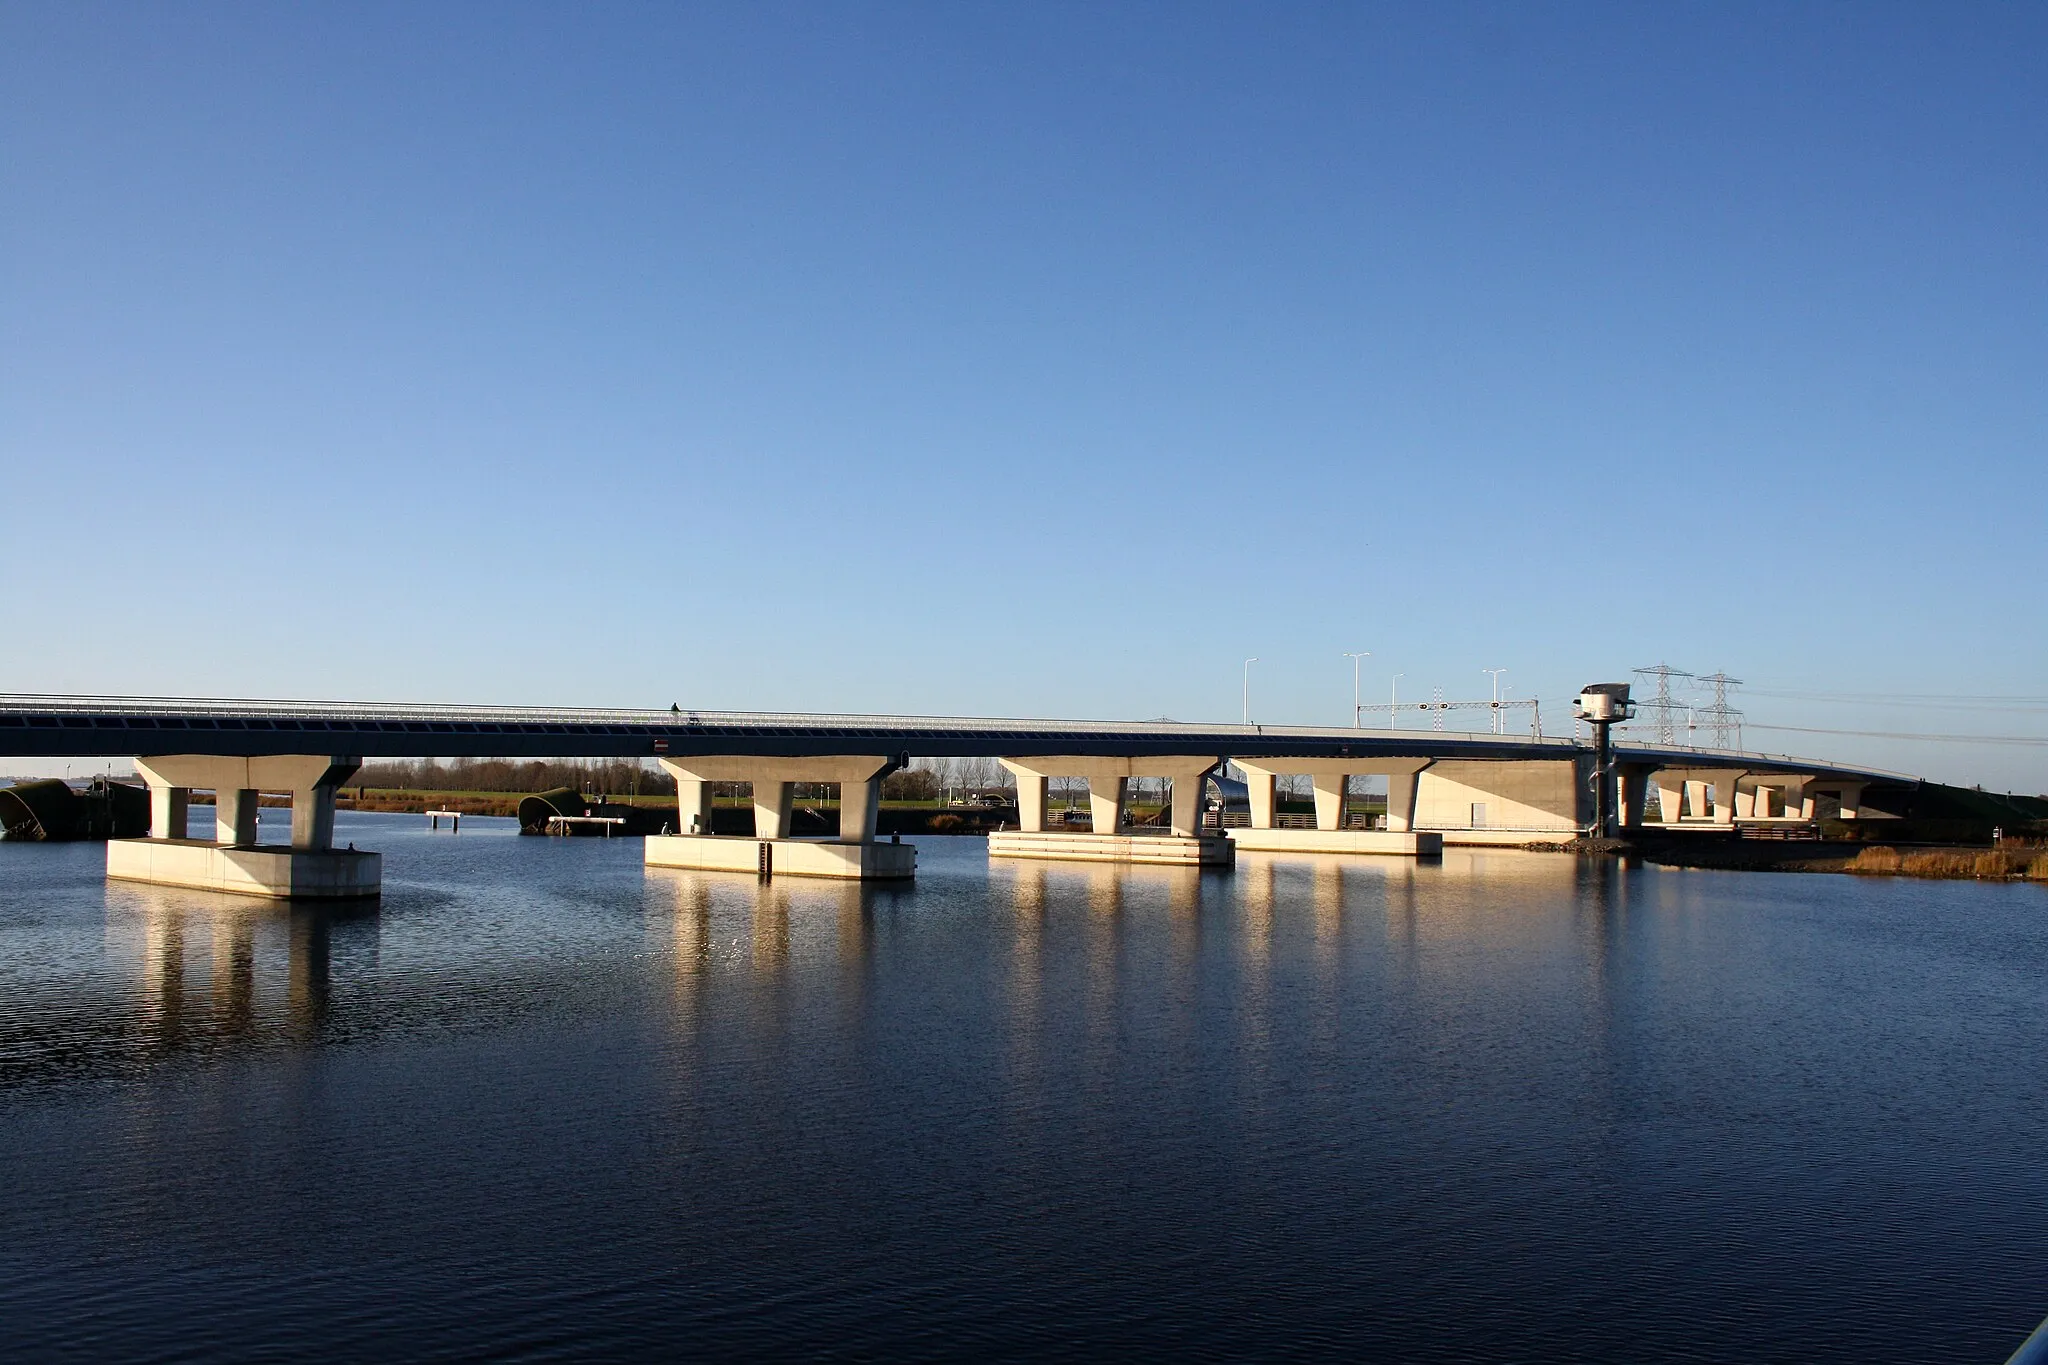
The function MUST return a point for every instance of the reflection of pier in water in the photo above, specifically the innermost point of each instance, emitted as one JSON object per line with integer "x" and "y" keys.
{"x": 216, "y": 967}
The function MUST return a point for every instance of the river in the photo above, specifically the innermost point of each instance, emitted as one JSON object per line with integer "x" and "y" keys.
{"x": 542, "y": 1103}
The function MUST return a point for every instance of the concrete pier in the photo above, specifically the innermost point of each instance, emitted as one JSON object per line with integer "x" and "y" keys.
{"x": 1110, "y": 840}
{"x": 278, "y": 873}
{"x": 1330, "y": 779}
{"x": 1206, "y": 850}
{"x": 855, "y": 861}
{"x": 310, "y": 866}
{"x": 1411, "y": 844}
{"x": 854, "y": 855}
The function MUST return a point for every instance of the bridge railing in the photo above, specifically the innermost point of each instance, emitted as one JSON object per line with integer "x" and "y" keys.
{"x": 440, "y": 712}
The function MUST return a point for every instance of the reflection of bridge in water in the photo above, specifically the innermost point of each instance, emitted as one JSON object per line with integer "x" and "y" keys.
{"x": 200, "y": 974}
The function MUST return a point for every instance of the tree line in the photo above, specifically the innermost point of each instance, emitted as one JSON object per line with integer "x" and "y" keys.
{"x": 608, "y": 776}
{"x": 924, "y": 779}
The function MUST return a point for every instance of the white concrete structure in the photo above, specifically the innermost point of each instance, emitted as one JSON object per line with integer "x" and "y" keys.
{"x": 1202, "y": 850}
{"x": 1420, "y": 843}
{"x": 309, "y": 866}
{"x": 854, "y": 854}
{"x": 1724, "y": 797}
{"x": 1108, "y": 781}
{"x": 1110, "y": 840}
{"x": 279, "y": 873}
{"x": 1513, "y": 801}
{"x": 1848, "y": 794}
{"x": 1330, "y": 779}
{"x": 857, "y": 861}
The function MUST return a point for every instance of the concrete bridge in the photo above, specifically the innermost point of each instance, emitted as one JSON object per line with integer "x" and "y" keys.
{"x": 1442, "y": 787}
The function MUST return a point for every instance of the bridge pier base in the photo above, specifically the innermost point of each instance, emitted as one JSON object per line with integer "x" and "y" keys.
{"x": 854, "y": 856}
{"x": 233, "y": 861}
{"x": 1329, "y": 779}
{"x": 1200, "y": 850}
{"x": 1399, "y": 844}
{"x": 848, "y": 860}
{"x": 1109, "y": 839}
{"x": 277, "y": 873}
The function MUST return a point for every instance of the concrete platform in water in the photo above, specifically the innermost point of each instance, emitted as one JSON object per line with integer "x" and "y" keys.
{"x": 280, "y": 873}
{"x": 862, "y": 860}
{"x": 1416, "y": 844}
{"x": 1201, "y": 850}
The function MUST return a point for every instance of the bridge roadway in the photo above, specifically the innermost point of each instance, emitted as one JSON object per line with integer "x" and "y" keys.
{"x": 33, "y": 726}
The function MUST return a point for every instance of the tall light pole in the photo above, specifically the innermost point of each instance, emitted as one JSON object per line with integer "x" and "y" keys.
{"x": 1496, "y": 695}
{"x": 1393, "y": 701}
{"x": 1248, "y": 688}
{"x": 1357, "y": 720}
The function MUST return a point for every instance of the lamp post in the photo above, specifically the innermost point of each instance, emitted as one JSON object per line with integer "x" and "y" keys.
{"x": 1496, "y": 672}
{"x": 1357, "y": 720}
{"x": 1393, "y": 701}
{"x": 1248, "y": 688}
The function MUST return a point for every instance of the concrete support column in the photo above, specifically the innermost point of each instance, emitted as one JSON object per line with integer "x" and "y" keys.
{"x": 1106, "y": 802}
{"x": 1031, "y": 792}
{"x": 234, "y": 814}
{"x": 1671, "y": 800}
{"x": 1185, "y": 818}
{"x": 1330, "y": 789}
{"x": 860, "y": 810}
{"x": 312, "y": 779}
{"x": 1852, "y": 799}
{"x": 1401, "y": 802}
{"x": 693, "y": 806}
{"x": 774, "y": 779}
{"x": 313, "y": 819}
{"x": 771, "y": 809}
{"x": 1725, "y": 799}
{"x": 1799, "y": 799}
{"x": 1632, "y": 795}
{"x": 169, "y": 808}
{"x": 1263, "y": 788}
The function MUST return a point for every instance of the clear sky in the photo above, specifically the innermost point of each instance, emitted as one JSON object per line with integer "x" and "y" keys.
{"x": 1033, "y": 359}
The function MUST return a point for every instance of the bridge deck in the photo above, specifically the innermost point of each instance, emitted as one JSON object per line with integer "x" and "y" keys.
{"x": 118, "y": 727}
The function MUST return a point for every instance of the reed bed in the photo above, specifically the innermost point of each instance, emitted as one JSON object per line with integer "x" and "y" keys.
{"x": 1985, "y": 864}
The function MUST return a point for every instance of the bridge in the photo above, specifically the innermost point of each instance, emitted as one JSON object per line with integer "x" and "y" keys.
{"x": 1442, "y": 786}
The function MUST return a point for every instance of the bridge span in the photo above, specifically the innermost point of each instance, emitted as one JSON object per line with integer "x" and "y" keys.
{"x": 1464, "y": 788}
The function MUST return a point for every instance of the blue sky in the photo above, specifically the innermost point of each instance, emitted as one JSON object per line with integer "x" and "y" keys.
{"x": 1032, "y": 359}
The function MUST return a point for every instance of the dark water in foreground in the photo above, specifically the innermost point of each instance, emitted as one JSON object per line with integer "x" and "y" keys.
{"x": 543, "y": 1103}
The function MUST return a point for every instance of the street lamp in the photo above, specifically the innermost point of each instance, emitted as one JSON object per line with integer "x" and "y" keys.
{"x": 1393, "y": 701}
{"x": 1495, "y": 727}
{"x": 1357, "y": 722}
{"x": 1248, "y": 688}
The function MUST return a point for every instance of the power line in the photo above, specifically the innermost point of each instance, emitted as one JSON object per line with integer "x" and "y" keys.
{"x": 1960, "y": 701}
{"x": 1900, "y": 734}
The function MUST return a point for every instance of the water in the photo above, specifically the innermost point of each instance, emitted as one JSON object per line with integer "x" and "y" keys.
{"x": 543, "y": 1103}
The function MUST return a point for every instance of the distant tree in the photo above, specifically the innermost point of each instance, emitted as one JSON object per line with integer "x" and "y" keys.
{"x": 910, "y": 784}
